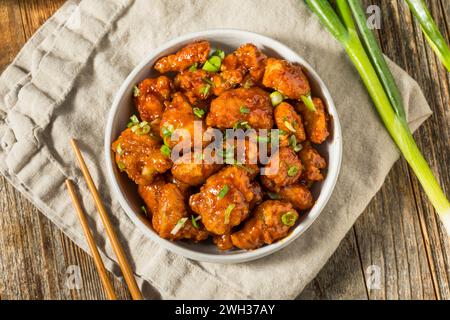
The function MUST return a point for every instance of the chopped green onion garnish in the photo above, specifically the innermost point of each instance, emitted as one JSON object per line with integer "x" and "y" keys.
{"x": 223, "y": 192}
{"x": 194, "y": 221}
{"x": 141, "y": 129}
{"x": 121, "y": 165}
{"x": 165, "y": 150}
{"x": 276, "y": 98}
{"x": 213, "y": 64}
{"x": 136, "y": 92}
{"x": 143, "y": 209}
{"x": 199, "y": 113}
{"x": 119, "y": 149}
{"x": 167, "y": 130}
{"x": 273, "y": 196}
{"x": 289, "y": 218}
{"x": 219, "y": 53}
{"x": 262, "y": 139}
{"x": 208, "y": 81}
{"x": 244, "y": 110}
{"x": 193, "y": 67}
{"x": 228, "y": 213}
{"x": 298, "y": 148}
{"x": 307, "y": 100}
{"x": 241, "y": 125}
{"x": 289, "y": 126}
{"x": 292, "y": 171}
{"x": 204, "y": 90}
{"x": 133, "y": 121}
{"x": 178, "y": 226}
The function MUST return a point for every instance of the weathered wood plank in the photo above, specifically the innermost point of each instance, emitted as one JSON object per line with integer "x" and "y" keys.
{"x": 341, "y": 278}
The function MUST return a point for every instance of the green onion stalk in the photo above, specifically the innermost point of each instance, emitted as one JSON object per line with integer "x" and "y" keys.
{"x": 430, "y": 30}
{"x": 382, "y": 88}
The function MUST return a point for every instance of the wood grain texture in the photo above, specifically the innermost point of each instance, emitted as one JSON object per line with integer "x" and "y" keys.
{"x": 399, "y": 233}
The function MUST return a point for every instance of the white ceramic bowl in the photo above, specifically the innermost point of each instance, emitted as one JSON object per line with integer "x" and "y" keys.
{"x": 123, "y": 108}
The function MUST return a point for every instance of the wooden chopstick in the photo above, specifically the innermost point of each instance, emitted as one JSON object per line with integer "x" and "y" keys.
{"x": 90, "y": 239}
{"x": 121, "y": 257}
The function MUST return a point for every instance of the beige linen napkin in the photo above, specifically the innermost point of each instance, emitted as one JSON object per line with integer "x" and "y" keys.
{"x": 64, "y": 80}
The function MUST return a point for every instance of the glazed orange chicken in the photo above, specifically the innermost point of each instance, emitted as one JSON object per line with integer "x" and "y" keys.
{"x": 244, "y": 201}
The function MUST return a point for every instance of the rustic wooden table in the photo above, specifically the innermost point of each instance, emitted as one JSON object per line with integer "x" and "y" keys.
{"x": 396, "y": 250}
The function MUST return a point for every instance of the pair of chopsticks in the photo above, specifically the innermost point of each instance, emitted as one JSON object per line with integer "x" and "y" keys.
{"x": 118, "y": 250}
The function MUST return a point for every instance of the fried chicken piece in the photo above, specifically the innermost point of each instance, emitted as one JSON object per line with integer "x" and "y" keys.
{"x": 196, "y": 52}
{"x": 284, "y": 168}
{"x": 286, "y": 77}
{"x": 140, "y": 156}
{"x": 251, "y": 106}
{"x": 298, "y": 195}
{"x": 316, "y": 122}
{"x": 150, "y": 95}
{"x": 192, "y": 172}
{"x": 223, "y": 242}
{"x": 252, "y": 59}
{"x": 223, "y": 201}
{"x": 288, "y": 120}
{"x": 150, "y": 194}
{"x": 178, "y": 115}
{"x": 185, "y": 188}
{"x": 196, "y": 85}
{"x": 266, "y": 226}
{"x": 168, "y": 208}
{"x": 313, "y": 163}
{"x": 258, "y": 195}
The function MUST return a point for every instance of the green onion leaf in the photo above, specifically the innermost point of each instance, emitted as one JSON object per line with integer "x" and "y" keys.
{"x": 167, "y": 130}
{"x": 165, "y": 150}
{"x": 289, "y": 218}
{"x": 119, "y": 149}
{"x": 213, "y": 64}
{"x": 307, "y": 100}
{"x": 244, "y": 110}
{"x": 121, "y": 165}
{"x": 193, "y": 67}
{"x": 204, "y": 90}
{"x": 136, "y": 92}
{"x": 144, "y": 209}
{"x": 228, "y": 213}
{"x": 431, "y": 30}
{"x": 289, "y": 126}
{"x": 133, "y": 121}
{"x": 223, "y": 192}
{"x": 219, "y": 53}
{"x": 199, "y": 113}
{"x": 276, "y": 98}
{"x": 292, "y": 171}
{"x": 194, "y": 221}
{"x": 178, "y": 226}
{"x": 242, "y": 125}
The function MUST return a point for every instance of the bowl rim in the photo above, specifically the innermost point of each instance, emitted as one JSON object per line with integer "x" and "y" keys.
{"x": 244, "y": 256}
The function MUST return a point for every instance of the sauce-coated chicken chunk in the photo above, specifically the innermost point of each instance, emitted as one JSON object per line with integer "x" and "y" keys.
{"x": 168, "y": 209}
{"x": 223, "y": 242}
{"x": 149, "y": 97}
{"x": 298, "y": 195}
{"x": 192, "y": 172}
{"x": 252, "y": 59}
{"x": 196, "y": 52}
{"x": 287, "y": 78}
{"x": 140, "y": 156}
{"x": 270, "y": 222}
{"x": 313, "y": 163}
{"x": 224, "y": 200}
{"x": 284, "y": 168}
{"x": 249, "y": 106}
{"x": 316, "y": 122}
{"x": 178, "y": 115}
{"x": 196, "y": 85}
{"x": 288, "y": 120}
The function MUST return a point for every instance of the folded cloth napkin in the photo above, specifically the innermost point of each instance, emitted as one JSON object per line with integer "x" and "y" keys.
{"x": 62, "y": 85}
